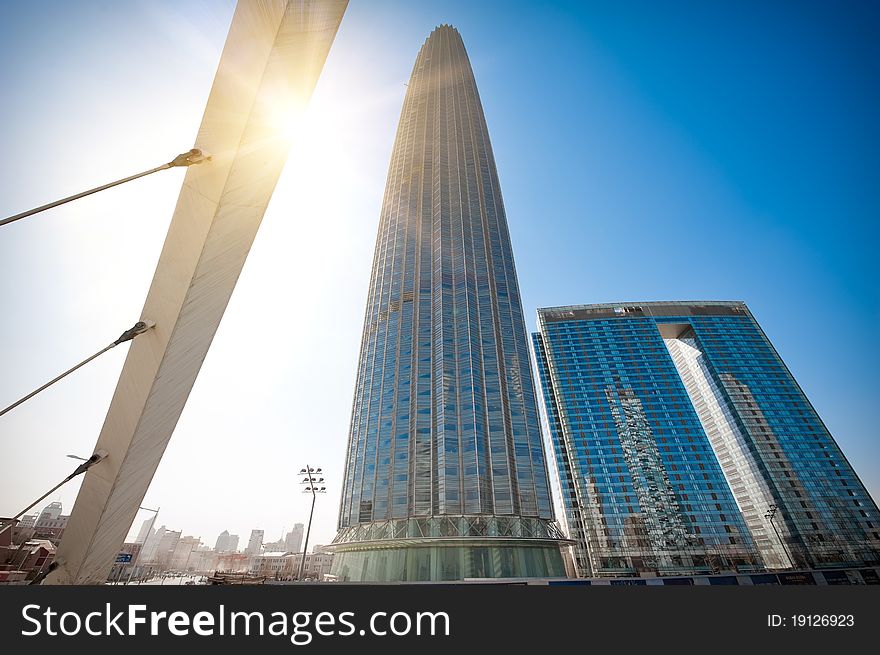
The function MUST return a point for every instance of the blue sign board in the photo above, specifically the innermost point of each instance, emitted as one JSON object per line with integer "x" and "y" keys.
{"x": 122, "y": 558}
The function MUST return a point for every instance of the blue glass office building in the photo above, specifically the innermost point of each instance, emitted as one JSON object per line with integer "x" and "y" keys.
{"x": 445, "y": 476}
{"x": 684, "y": 445}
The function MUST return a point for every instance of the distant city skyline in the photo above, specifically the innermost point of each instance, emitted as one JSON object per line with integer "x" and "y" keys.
{"x": 727, "y": 150}
{"x": 53, "y": 512}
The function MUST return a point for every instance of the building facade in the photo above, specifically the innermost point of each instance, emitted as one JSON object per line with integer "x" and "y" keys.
{"x": 145, "y": 532}
{"x": 284, "y": 565}
{"x": 445, "y": 476}
{"x": 275, "y": 546}
{"x": 255, "y": 543}
{"x": 182, "y": 556}
{"x": 222, "y": 543}
{"x": 294, "y": 538}
{"x": 166, "y": 546}
{"x": 151, "y": 544}
{"x": 318, "y": 565}
{"x": 24, "y": 529}
{"x": 51, "y": 523}
{"x": 204, "y": 559}
{"x": 233, "y": 562}
{"x": 159, "y": 547}
{"x": 684, "y": 445}
{"x": 25, "y": 561}
{"x": 272, "y": 564}
{"x": 51, "y": 512}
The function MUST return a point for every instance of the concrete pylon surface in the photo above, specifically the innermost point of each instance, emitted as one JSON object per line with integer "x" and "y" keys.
{"x": 274, "y": 53}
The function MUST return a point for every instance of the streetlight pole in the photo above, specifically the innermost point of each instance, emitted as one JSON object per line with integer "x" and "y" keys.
{"x": 144, "y": 545}
{"x": 186, "y": 564}
{"x": 771, "y": 512}
{"x": 311, "y": 483}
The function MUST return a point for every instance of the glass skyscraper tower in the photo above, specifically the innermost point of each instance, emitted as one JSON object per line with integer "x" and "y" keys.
{"x": 685, "y": 445}
{"x": 445, "y": 476}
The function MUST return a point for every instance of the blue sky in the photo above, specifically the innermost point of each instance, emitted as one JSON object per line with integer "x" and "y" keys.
{"x": 647, "y": 151}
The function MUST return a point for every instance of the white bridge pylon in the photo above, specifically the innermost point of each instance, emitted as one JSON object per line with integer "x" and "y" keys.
{"x": 274, "y": 53}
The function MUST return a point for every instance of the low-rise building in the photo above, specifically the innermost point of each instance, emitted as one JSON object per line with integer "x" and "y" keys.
{"x": 51, "y": 523}
{"x": 232, "y": 562}
{"x": 24, "y": 529}
{"x": 32, "y": 557}
{"x": 273, "y": 564}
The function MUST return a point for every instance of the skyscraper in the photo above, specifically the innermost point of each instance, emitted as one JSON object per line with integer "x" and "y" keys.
{"x": 445, "y": 475}
{"x": 684, "y": 444}
{"x": 160, "y": 547}
{"x": 294, "y": 538}
{"x": 145, "y": 532}
{"x": 255, "y": 543}
{"x": 51, "y": 512}
{"x": 222, "y": 543}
